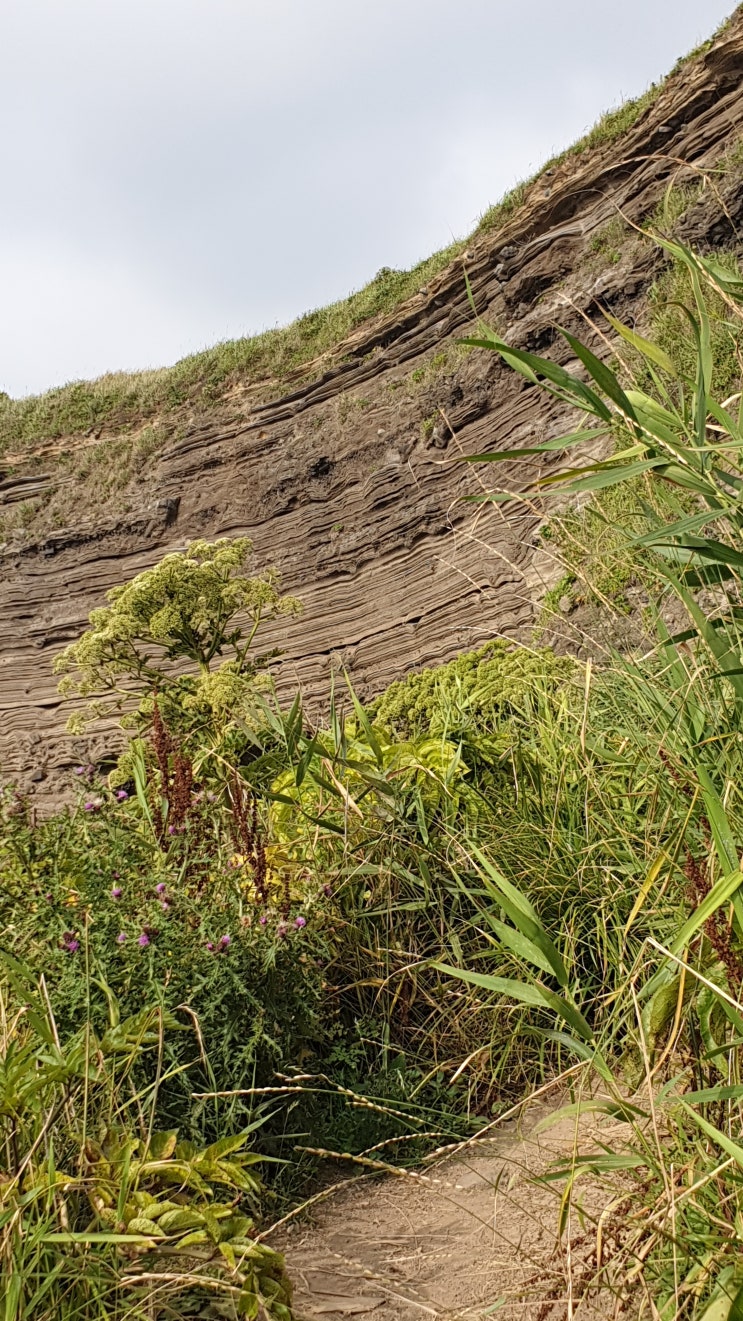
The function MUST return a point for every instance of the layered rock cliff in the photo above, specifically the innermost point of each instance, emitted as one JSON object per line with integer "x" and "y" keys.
{"x": 349, "y": 479}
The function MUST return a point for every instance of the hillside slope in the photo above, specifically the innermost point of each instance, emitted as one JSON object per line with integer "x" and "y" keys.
{"x": 346, "y": 476}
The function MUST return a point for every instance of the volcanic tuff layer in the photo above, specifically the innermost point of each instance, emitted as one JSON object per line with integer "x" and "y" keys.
{"x": 349, "y": 481}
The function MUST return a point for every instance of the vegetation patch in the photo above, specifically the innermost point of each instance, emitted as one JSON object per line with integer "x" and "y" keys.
{"x": 259, "y": 940}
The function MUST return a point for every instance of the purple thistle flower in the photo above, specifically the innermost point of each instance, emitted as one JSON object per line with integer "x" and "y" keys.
{"x": 327, "y": 890}
{"x": 160, "y": 888}
{"x": 210, "y": 946}
{"x": 300, "y": 922}
{"x": 143, "y": 940}
{"x": 115, "y": 875}
{"x": 117, "y": 892}
{"x": 73, "y": 946}
{"x": 281, "y": 930}
{"x": 121, "y": 794}
{"x": 165, "y": 905}
{"x": 225, "y": 942}
{"x": 121, "y": 938}
{"x": 79, "y": 770}
{"x": 171, "y": 830}
{"x": 49, "y": 897}
{"x": 263, "y": 919}
{"x": 90, "y": 807}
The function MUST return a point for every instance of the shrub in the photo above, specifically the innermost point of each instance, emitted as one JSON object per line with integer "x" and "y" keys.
{"x": 475, "y": 692}
{"x": 188, "y": 610}
{"x": 102, "y": 1215}
{"x": 93, "y": 890}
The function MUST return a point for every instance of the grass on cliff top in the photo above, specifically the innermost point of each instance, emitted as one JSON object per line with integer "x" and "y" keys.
{"x": 122, "y": 400}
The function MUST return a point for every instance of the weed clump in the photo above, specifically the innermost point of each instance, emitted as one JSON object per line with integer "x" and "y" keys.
{"x": 476, "y": 691}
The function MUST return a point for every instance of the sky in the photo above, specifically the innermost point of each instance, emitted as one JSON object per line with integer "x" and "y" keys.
{"x": 179, "y": 172}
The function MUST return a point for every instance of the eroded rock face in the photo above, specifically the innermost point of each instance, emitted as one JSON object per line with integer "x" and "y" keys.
{"x": 352, "y": 484}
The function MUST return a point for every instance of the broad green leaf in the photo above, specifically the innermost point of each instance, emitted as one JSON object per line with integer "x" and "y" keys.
{"x": 623, "y": 1110}
{"x": 727, "y": 852}
{"x": 599, "y": 477}
{"x": 644, "y": 346}
{"x": 532, "y": 366}
{"x": 530, "y": 994}
{"x": 225, "y": 1146}
{"x": 719, "y": 1309}
{"x": 143, "y": 1225}
{"x": 522, "y": 914}
{"x": 723, "y": 653}
{"x": 602, "y": 375}
{"x": 596, "y": 1163}
{"x": 712, "y": 550}
{"x": 521, "y": 945}
{"x": 736, "y": 1307}
{"x": 721, "y": 1093}
{"x": 518, "y": 899}
{"x": 664, "y": 531}
{"x": 732, "y": 1148}
{"x": 175, "y": 1222}
{"x": 721, "y": 893}
{"x": 549, "y": 446}
{"x": 586, "y": 1052}
{"x": 722, "y": 834}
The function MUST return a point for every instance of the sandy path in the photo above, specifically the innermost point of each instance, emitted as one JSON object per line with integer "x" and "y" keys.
{"x": 469, "y": 1238}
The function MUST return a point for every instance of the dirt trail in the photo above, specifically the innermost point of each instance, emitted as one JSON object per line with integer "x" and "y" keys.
{"x": 471, "y": 1237}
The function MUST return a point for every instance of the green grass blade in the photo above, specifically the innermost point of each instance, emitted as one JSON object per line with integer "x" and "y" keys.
{"x": 732, "y": 1148}
{"x": 532, "y": 994}
{"x": 602, "y": 375}
{"x": 643, "y": 346}
{"x": 721, "y": 893}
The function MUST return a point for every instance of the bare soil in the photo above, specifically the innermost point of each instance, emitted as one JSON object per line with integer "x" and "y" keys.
{"x": 474, "y": 1236}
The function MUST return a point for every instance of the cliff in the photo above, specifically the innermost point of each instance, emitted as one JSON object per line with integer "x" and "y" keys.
{"x": 346, "y": 472}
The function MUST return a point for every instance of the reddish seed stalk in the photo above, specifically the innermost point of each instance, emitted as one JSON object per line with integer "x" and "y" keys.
{"x": 247, "y": 834}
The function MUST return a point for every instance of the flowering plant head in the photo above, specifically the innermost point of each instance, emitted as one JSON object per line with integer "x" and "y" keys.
{"x": 184, "y": 609}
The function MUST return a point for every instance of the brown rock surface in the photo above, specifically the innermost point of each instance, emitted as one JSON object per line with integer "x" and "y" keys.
{"x": 350, "y": 481}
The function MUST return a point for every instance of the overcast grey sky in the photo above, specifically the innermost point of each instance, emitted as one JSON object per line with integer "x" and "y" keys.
{"x": 176, "y": 172}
